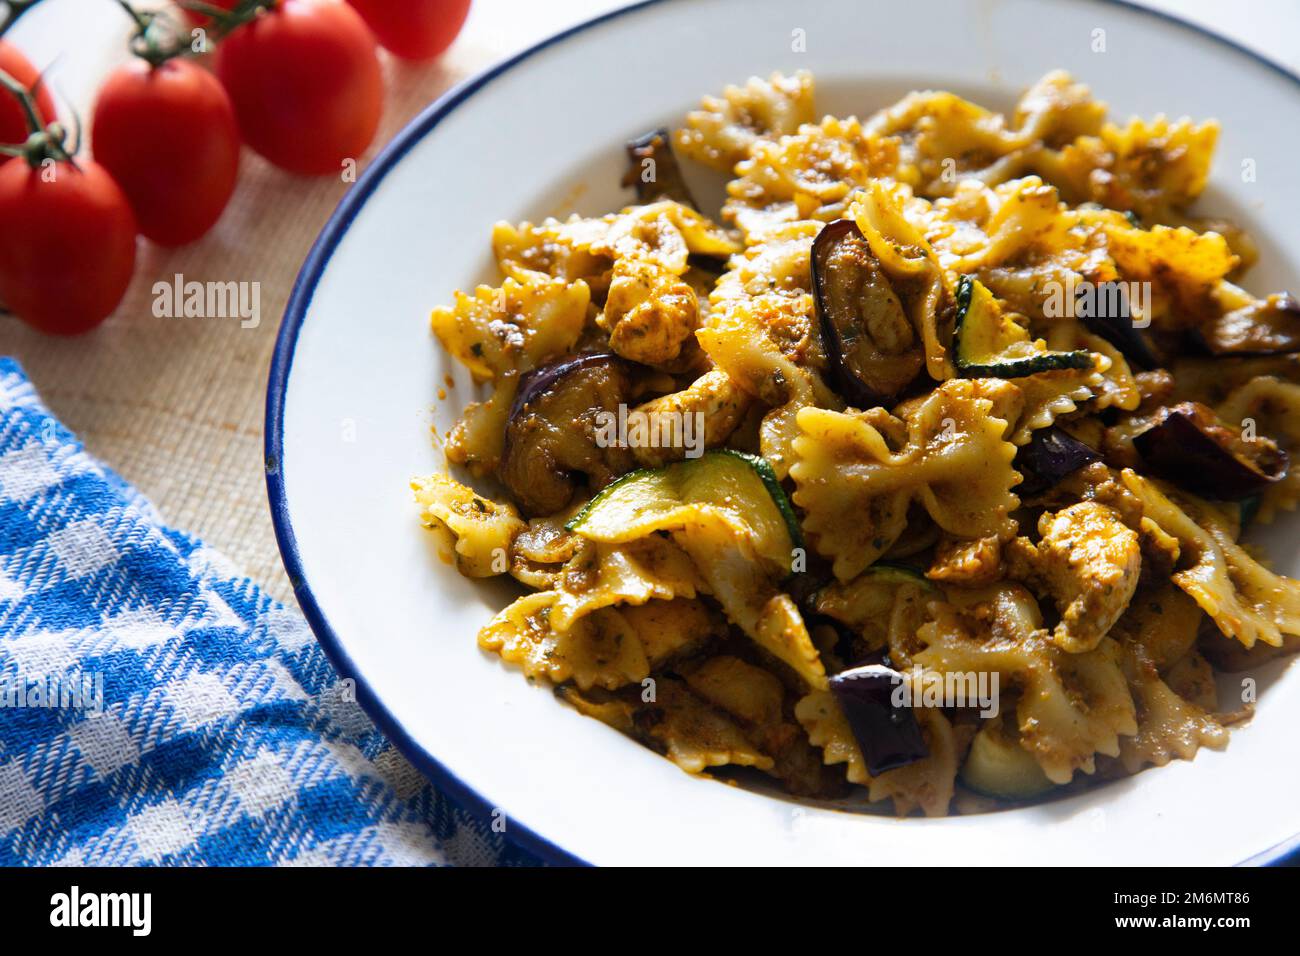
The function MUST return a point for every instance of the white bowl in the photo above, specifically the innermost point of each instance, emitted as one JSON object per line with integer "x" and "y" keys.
{"x": 352, "y": 397}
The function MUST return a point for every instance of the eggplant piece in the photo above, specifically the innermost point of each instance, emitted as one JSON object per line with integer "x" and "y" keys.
{"x": 1051, "y": 454}
{"x": 1268, "y": 327}
{"x": 1110, "y": 317}
{"x": 653, "y": 171}
{"x": 1188, "y": 446}
{"x": 551, "y": 431}
{"x": 873, "y": 349}
{"x": 537, "y": 381}
{"x": 888, "y": 736}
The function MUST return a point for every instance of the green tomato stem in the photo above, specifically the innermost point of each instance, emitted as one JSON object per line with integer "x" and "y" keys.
{"x": 44, "y": 142}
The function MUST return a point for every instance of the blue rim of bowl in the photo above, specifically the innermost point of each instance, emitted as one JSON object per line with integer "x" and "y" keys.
{"x": 1285, "y": 853}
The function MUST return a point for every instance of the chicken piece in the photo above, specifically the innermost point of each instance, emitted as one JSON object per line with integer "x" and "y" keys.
{"x": 650, "y": 312}
{"x": 707, "y": 412}
{"x": 968, "y": 562}
{"x": 1089, "y": 562}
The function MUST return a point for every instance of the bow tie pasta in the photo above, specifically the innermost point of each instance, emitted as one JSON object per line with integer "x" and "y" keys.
{"x": 917, "y": 477}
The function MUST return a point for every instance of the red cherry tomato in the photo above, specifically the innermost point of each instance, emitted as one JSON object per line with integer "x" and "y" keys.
{"x": 168, "y": 136}
{"x": 13, "y": 121}
{"x": 68, "y": 246}
{"x": 305, "y": 81}
{"x": 199, "y": 20}
{"x": 414, "y": 29}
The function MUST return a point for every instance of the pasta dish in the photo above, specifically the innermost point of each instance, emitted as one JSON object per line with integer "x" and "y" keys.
{"x": 918, "y": 475}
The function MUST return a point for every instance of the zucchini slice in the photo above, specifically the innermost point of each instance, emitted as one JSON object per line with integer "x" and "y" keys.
{"x": 888, "y": 572}
{"x": 989, "y": 344}
{"x": 997, "y": 766}
{"x": 740, "y": 488}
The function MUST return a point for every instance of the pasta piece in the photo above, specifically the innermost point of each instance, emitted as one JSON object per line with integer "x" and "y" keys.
{"x": 1270, "y": 407}
{"x": 600, "y": 650}
{"x": 748, "y": 693}
{"x": 1114, "y": 385}
{"x": 745, "y": 589}
{"x": 1056, "y": 110}
{"x": 828, "y": 729}
{"x": 515, "y": 327}
{"x": 1048, "y": 396}
{"x": 855, "y": 490}
{"x": 761, "y": 327}
{"x": 601, "y": 575}
{"x": 539, "y": 552}
{"x": 663, "y": 233}
{"x": 925, "y": 784}
{"x": 1025, "y": 217}
{"x": 806, "y": 175}
{"x": 478, "y": 440}
{"x": 615, "y": 712}
{"x": 561, "y": 250}
{"x": 1184, "y": 267}
{"x": 884, "y": 606}
{"x": 484, "y": 530}
{"x": 694, "y": 735}
{"x": 945, "y": 139}
{"x": 1070, "y": 707}
{"x": 1168, "y": 725}
{"x": 721, "y": 132}
{"x": 1150, "y": 167}
{"x": 669, "y": 630}
{"x": 1246, "y": 600}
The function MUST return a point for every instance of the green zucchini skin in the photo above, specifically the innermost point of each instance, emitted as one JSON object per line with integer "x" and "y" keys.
{"x": 973, "y": 366}
{"x": 761, "y": 467}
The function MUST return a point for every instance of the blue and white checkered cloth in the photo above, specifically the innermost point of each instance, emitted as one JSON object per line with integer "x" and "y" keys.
{"x": 157, "y": 708}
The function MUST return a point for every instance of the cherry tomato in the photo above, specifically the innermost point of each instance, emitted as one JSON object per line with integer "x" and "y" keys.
{"x": 414, "y": 29}
{"x": 168, "y": 136}
{"x": 68, "y": 246}
{"x": 305, "y": 81}
{"x": 13, "y": 121}
{"x": 199, "y": 20}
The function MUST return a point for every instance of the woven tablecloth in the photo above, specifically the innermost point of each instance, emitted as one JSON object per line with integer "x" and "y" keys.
{"x": 156, "y": 707}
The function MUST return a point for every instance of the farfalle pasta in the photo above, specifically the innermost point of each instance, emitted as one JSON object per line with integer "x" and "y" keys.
{"x": 922, "y": 469}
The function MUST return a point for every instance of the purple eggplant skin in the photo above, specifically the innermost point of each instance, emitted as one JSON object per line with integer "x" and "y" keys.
{"x": 1268, "y": 327}
{"x": 1051, "y": 454}
{"x": 1189, "y": 448}
{"x": 668, "y": 182}
{"x": 549, "y": 439}
{"x": 888, "y": 736}
{"x": 1116, "y": 326}
{"x": 843, "y": 329}
{"x": 544, "y": 378}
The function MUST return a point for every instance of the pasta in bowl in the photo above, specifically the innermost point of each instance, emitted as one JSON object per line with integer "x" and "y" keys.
{"x": 920, "y": 474}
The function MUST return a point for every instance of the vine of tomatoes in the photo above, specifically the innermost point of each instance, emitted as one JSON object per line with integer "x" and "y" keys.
{"x": 300, "y": 82}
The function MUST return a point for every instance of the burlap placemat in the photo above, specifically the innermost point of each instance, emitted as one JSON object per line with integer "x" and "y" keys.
{"x": 176, "y": 405}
